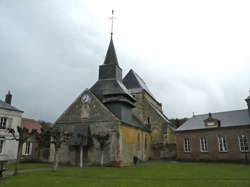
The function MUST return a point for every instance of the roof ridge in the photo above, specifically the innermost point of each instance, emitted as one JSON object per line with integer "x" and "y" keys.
{"x": 138, "y": 76}
{"x": 220, "y": 112}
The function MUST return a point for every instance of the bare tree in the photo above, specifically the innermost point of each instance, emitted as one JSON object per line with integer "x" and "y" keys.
{"x": 24, "y": 135}
{"x": 103, "y": 142}
{"x": 58, "y": 137}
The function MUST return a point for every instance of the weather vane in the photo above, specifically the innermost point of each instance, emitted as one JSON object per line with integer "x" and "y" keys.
{"x": 112, "y": 22}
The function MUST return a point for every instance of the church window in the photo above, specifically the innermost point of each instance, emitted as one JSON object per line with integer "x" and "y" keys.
{"x": 1, "y": 145}
{"x": 3, "y": 122}
{"x": 146, "y": 143}
{"x": 148, "y": 120}
{"x": 203, "y": 144}
{"x": 222, "y": 144}
{"x": 243, "y": 143}
{"x": 187, "y": 145}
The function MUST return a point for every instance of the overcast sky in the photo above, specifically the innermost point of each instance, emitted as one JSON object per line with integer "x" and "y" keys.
{"x": 193, "y": 55}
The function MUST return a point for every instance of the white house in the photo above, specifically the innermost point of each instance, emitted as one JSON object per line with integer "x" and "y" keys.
{"x": 10, "y": 117}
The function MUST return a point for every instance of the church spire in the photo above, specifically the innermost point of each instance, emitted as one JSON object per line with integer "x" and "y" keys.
{"x": 110, "y": 68}
{"x": 111, "y": 57}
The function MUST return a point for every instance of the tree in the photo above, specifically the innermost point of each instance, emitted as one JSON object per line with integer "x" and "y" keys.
{"x": 178, "y": 122}
{"x": 103, "y": 142}
{"x": 45, "y": 124}
{"x": 58, "y": 137}
{"x": 24, "y": 135}
{"x": 43, "y": 139}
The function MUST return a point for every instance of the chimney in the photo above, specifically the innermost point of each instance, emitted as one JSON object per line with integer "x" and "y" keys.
{"x": 8, "y": 98}
{"x": 248, "y": 103}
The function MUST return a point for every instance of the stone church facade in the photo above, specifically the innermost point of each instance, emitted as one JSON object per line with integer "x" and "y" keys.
{"x": 117, "y": 121}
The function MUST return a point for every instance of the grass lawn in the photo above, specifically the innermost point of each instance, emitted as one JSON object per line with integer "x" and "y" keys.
{"x": 148, "y": 174}
{"x": 11, "y": 166}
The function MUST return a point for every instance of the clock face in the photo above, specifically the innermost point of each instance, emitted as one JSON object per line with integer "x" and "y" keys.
{"x": 85, "y": 98}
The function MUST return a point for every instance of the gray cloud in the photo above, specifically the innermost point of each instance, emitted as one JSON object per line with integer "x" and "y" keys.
{"x": 47, "y": 58}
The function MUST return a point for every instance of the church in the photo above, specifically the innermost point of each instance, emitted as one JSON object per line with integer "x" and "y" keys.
{"x": 117, "y": 122}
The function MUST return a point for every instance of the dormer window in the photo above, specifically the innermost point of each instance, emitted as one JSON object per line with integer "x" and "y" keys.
{"x": 211, "y": 122}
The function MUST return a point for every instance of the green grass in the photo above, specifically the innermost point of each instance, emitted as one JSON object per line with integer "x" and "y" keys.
{"x": 150, "y": 174}
{"x": 11, "y": 166}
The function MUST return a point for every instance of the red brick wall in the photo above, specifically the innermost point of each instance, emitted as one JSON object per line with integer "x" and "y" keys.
{"x": 233, "y": 150}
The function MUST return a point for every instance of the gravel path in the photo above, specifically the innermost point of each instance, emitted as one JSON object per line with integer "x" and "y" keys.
{"x": 9, "y": 173}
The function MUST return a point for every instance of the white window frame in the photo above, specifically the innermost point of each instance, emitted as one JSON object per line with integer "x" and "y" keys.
{"x": 3, "y": 122}
{"x": 203, "y": 144}
{"x": 1, "y": 146}
{"x": 27, "y": 148}
{"x": 222, "y": 144}
{"x": 186, "y": 145}
{"x": 243, "y": 143}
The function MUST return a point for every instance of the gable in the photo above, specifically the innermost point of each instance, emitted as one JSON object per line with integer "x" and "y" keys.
{"x": 86, "y": 108}
{"x": 135, "y": 83}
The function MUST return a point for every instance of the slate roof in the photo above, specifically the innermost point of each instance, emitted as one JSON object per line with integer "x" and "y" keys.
{"x": 167, "y": 124}
{"x": 109, "y": 87}
{"x": 7, "y": 106}
{"x": 135, "y": 83}
{"x": 227, "y": 119}
{"x": 159, "y": 112}
{"x": 111, "y": 57}
{"x": 111, "y": 91}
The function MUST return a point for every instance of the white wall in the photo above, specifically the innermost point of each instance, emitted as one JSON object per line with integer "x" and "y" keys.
{"x": 9, "y": 151}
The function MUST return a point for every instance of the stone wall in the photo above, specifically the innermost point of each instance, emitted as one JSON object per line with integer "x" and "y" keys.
{"x": 85, "y": 112}
{"x": 145, "y": 111}
{"x": 133, "y": 143}
{"x": 100, "y": 121}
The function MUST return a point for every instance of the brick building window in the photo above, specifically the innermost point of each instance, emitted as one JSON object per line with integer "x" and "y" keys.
{"x": 222, "y": 144}
{"x": 203, "y": 144}
{"x": 3, "y": 122}
{"x": 1, "y": 145}
{"x": 187, "y": 145}
{"x": 27, "y": 148}
{"x": 243, "y": 143}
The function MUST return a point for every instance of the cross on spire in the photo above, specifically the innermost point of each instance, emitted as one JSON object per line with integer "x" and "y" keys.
{"x": 112, "y": 22}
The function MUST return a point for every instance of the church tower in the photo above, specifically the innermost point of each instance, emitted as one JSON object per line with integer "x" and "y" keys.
{"x": 110, "y": 89}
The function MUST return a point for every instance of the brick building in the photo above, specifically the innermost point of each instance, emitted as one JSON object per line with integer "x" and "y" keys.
{"x": 30, "y": 149}
{"x": 216, "y": 136}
